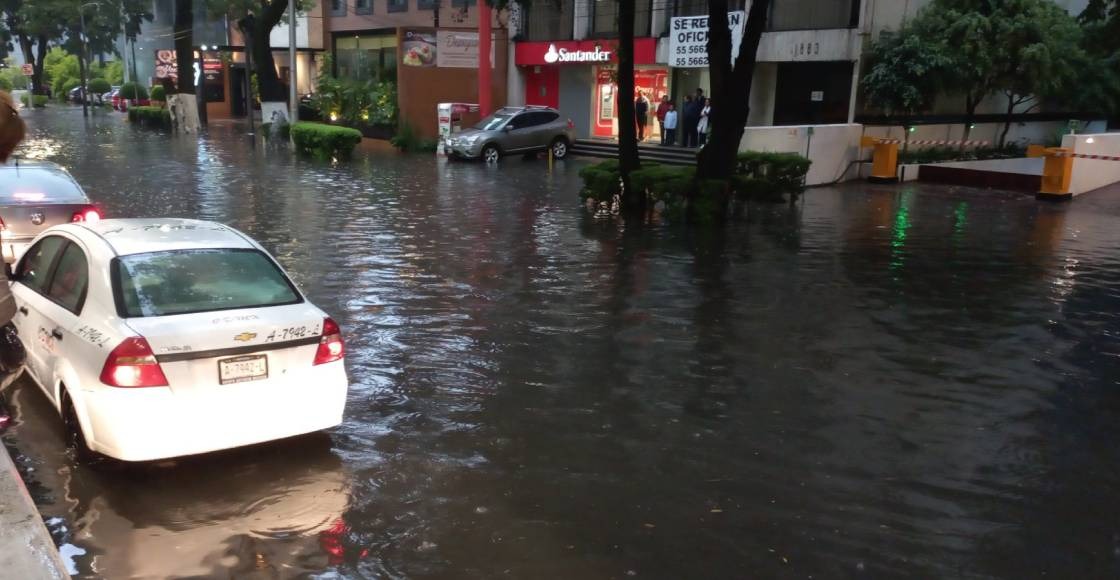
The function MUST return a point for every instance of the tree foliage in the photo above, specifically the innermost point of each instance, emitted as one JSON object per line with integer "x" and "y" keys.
{"x": 905, "y": 73}
{"x": 257, "y": 18}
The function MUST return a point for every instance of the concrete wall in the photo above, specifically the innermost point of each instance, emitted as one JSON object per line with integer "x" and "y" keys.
{"x": 1040, "y": 132}
{"x": 832, "y": 148}
{"x": 1090, "y": 174}
{"x": 576, "y": 96}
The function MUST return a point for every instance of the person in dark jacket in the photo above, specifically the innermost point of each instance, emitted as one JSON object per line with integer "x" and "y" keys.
{"x": 641, "y": 114}
{"x": 688, "y": 122}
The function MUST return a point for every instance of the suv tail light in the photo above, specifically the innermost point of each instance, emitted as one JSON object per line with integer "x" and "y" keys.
{"x": 331, "y": 347}
{"x": 571, "y": 125}
{"x": 88, "y": 214}
{"x": 132, "y": 364}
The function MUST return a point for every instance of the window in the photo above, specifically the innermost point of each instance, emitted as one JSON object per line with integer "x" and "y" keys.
{"x": 425, "y": 4}
{"x": 363, "y": 58}
{"x": 363, "y": 6}
{"x": 338, "y": 7}
{"x": 813, "y": 14}
{"x": 71, "y": 277}
{"x": 462, "y": 3}
{"x": 604, "y": 18}
{"x": 182, "y": 282}
{"x": 494, "y": 121}
{"x": 547, "y": 20}
{"x": 398, "y": 5}
{"x": 34, "y": 268}
{"x": 32, "y": 185}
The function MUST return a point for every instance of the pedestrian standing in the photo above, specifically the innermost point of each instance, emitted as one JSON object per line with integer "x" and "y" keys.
{"x": 670, "y": 126}
{"x": 641, "y": 114}
{"x": 700, "y": 99}
{"x": 704, "y": 126}
{"x": 688, "y": 114}
{"x": 12, "y": 353}
{"x": 662, "y": 108}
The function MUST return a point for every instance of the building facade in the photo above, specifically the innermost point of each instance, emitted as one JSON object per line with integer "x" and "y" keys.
{"x": 428, "y": 47}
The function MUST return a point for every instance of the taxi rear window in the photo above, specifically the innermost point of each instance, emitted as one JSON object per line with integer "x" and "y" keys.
{"x": 190, "y": 281}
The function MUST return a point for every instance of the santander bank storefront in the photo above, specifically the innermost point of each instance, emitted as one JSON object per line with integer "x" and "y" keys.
{"x": 578, "y": 78}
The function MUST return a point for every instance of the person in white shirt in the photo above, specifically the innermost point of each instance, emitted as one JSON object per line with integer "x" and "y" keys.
{"x": 704, "y": 127}
{"x": 670, "y": 125}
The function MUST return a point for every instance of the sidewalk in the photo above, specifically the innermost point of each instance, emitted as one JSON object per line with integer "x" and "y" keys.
{"x": 26, "y": 549}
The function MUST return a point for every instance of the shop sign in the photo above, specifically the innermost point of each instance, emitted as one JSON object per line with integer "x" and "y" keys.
{"x": 581, "y": 52}
{"x": 167, "y": 66}
{"x": 459, "y": 49}
{"x": 688, "y": 39}
{"x": 418, "y": 48}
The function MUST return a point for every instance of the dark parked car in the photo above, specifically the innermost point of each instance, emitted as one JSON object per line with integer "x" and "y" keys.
{"x": 35, "y": 195}
{"x": 514, "y": 130}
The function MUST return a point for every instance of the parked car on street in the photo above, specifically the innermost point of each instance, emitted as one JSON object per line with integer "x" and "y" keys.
{"x": 35, "y": 195}
{"x": 159, "y": 338}
{"x": 512, "y": 130}
{"x": 108, "y": 97}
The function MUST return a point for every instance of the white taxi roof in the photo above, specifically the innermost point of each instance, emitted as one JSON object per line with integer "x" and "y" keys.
{"x": 137, "y": 236}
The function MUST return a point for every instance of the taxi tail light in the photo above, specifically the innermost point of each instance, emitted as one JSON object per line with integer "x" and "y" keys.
{"x": 133, "y": 364}
{"x": 87, "y": 214}
{"x": 331, "y": 347}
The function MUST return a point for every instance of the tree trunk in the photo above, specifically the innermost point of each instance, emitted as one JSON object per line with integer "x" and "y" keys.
{"x": 183, "y": 104}
{"x": 632, "y": 201}
{"x": 970, "y": 104}
{"x": 133, "y": 68}
{"x": 268, "y": 82}
{"x": 731, "y": 87}
{"x": 1011, "y": 102}
{"x": 35, "y": 60}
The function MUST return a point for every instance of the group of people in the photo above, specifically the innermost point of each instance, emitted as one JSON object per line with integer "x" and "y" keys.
{"x": 693, "y": 119}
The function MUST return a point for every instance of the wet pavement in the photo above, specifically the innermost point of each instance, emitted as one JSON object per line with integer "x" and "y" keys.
{"x": 877, "y": 382}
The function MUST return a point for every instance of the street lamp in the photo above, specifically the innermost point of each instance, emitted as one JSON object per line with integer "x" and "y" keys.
{"x": 82, "y": 64}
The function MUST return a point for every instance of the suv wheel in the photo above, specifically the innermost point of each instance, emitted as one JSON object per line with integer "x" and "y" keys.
{"x": 559, "y": 148}
{"x": 491, "y": 153}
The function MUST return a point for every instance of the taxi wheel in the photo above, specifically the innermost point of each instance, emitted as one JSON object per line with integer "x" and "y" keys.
{"x": 75, "y": 439}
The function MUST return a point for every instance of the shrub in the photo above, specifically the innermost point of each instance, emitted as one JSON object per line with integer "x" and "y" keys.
{"x": 37, "y": 101}
{"x": 67, "y": 86}
{"x": 98, "y": 87}
{"x": 601, "y": 182}
{"x": 150, "y": 116}
{"x": 5, "y": 84}
{"x": 133, "y": 91}
{"x": 159, "y": 93}
{"x": 406, "y": 139}
{"x": 944, "y": 154}
{"x": 355, "y": 102}
{"x": 324, "y": 141}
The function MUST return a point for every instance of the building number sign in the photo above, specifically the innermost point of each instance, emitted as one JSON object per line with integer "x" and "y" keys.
{"x": 806, "y": 49}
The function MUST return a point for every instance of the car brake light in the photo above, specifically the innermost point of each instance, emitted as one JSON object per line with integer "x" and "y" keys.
{"x": 132, "y": 364}
{"x": 89, "y": 215}
{"x": 331, "y": 347}
{"x": 571, "y": 125}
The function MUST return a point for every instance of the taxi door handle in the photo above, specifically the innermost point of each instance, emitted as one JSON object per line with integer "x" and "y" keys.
{"x": 57, "y": 334}
{"x": 23, "y": 310}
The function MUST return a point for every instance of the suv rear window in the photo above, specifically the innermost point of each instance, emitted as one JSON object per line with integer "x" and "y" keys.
{"x": 189, "y": 281}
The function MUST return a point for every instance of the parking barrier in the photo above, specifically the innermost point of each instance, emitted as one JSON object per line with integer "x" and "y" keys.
{"x": 1057, "y": 172}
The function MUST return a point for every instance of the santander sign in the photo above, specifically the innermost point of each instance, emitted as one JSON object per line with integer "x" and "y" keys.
{"x": 555, "y": 55}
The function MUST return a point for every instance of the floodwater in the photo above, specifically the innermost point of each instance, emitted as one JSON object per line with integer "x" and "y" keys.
{"x": 876, "y": 382}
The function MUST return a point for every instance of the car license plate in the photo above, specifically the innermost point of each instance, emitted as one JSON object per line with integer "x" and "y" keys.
{"x": 242, "y": 369}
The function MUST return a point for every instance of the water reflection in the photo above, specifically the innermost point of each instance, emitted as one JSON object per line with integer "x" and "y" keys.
{"x": 874, "y": 382}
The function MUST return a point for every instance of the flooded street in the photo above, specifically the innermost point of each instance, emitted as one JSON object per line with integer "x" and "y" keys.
{"x": 876, "y": 382}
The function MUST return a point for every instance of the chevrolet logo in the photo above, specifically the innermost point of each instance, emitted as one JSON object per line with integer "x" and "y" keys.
{"x": 245, "y": 336}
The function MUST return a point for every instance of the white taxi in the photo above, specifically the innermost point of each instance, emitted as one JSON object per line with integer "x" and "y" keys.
{"x": 169, "y": 337}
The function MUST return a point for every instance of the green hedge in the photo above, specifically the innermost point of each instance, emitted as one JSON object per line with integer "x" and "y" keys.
{"x": 159, "y": 93}
{"x": 38, "y": 101}
{"x": 325, "y": 141}
{"x": 942, "y": 154}
{"x": 98, "y": 87}
{"x": 758, "y": 175}
{"x": 150, "y": 116}
{"x": 133, "y": 91}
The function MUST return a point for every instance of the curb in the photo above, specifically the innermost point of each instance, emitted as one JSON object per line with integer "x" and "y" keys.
{"x": 26, "y": 549}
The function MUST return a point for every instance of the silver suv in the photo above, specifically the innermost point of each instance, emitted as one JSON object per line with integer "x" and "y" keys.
{"x": 513, "y": 130}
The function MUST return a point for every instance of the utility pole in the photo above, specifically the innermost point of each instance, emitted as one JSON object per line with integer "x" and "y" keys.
{"x": 484, "y": 88}
{"x": 293, "y": 115}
